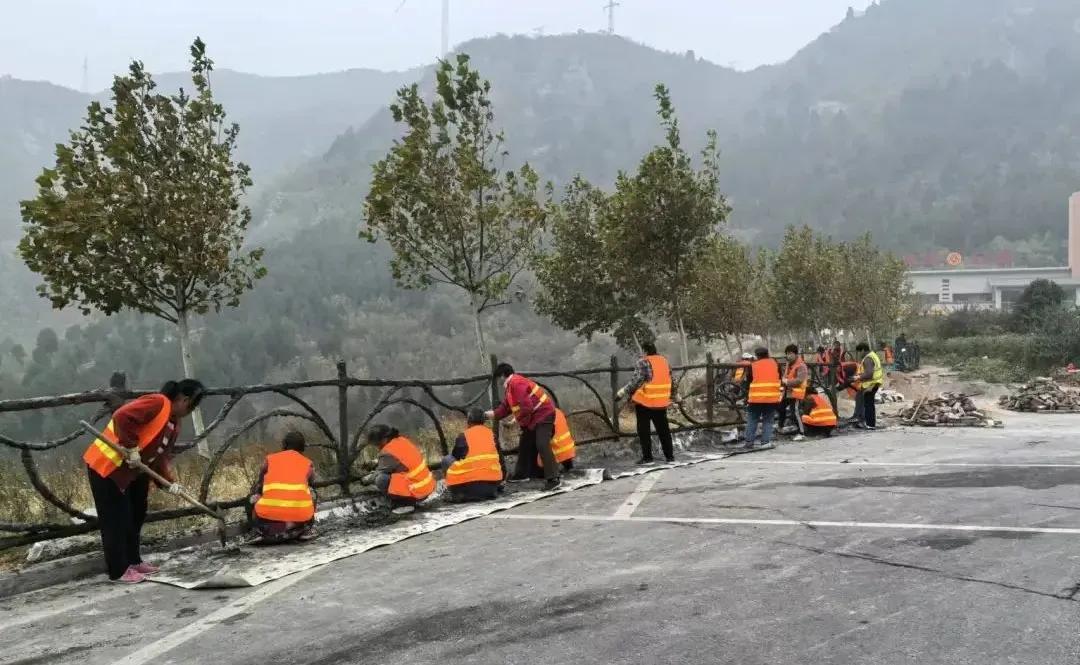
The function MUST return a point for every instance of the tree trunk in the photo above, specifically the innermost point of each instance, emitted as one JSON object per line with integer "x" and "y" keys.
{"x": 727, "y": 346}
{"x": 189, "y": 372}
{"x": 682, "y": 338}
{"x": 479, "y": 329}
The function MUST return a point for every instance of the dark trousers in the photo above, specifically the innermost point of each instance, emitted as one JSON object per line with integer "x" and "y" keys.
{"x": 120, "y": 519}
{"x": 814, "y": 430}
{"x": 791, "y": 408}
{"x": 656, "y": 418}
{"x": 536, "y": 441}
{"x": 478, "y": 491}
{"x": 869, "y": 406}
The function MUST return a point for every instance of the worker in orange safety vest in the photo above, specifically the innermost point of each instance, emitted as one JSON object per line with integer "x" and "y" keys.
{"x": 819, "y": 418}
{"x": 473, "y": 468}
{"x": 562, "y": 443}
{"x": 796, "y": 380}
{"x": 283, "y": 497}
{"x": 763, "y": 398}
{"x": 650, "y": 391}
{"x": 402, "y": 473}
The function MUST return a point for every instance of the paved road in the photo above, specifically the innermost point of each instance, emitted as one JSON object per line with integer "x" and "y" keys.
{"x": 815, "y": 552}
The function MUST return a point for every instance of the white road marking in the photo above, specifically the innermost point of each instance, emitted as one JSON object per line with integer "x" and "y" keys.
{"x": 992, "y": 465}
{"x": 638, "y": 495}
{"x": 812, "y": 523}
{"x": 82, "y": 603}
{"x": 151, "y": 652}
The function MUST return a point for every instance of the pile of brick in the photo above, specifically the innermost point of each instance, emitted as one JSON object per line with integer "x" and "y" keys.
{"x": 1042, "y": 394}
{"x": 947, "y": 410}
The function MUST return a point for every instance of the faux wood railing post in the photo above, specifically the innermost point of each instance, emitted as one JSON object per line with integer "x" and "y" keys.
{"x": 710, "y": 387}
{"x": 615, "y": 424}
{"x": 343, "y": 428}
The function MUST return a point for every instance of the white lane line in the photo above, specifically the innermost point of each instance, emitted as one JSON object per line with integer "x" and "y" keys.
{"x": 82, "y": 603}
{"x": 813, "y": 523}
{"x": 992, "y": 465}
{"x": 638, "y": 495}
{"x": 151, "y": 652}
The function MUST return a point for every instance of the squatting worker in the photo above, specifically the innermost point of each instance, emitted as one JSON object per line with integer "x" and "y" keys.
{"x": 650, "y": 390}
{"x": 473, "y": 470}
{"x": 534, "y": 412}
{"x": 796, "y": 379}
{"x": 283, "y": 497}
{"x": 762, "y": 398}
{"x": 563, "y": 445}
{"x": 820, "y": 419}
{"x": 872, "y": 376}
{"x": 401, "y": 472}
{"x": 147, "y": 428}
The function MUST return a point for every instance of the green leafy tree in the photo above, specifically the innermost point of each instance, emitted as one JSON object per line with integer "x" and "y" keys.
{"x": 722, "y": 302}
{"x": 580, "y": 290}
{"x": 18, "y": 353}
{"x": 443, "y": 202}
{"x": 878, "y": 294}
{"x": 1036, "y": 302}
{"x": 47, "y": 344}
{"x": 802, "y": 278}
{"x": 142, "y": 210}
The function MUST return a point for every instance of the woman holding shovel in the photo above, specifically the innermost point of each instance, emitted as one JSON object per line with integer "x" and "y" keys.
{"x": 146, "y": 429}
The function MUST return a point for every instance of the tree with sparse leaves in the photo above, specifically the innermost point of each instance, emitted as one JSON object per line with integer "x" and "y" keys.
{"x": 874, "y": 293}
{"x": 721, "y": 303}
{"x": 580, "y": 288}
{"x": 143, "y": 208}
{"x": 444, "y": 204}
{"x": 802, "y": 280}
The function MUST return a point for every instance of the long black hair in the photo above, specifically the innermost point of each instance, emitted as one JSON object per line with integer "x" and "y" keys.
{"x": 193, "y": 389}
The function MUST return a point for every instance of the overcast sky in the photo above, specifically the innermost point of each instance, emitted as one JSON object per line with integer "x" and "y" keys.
{"x": 48, "y": 39}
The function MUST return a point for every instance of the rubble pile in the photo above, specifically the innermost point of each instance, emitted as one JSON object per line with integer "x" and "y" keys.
{"x": 1042, "y": 394}
{"x": 947, "y": 410}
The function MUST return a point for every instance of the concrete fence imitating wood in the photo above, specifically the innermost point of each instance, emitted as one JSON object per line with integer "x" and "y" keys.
{"x": 697, "y": 408}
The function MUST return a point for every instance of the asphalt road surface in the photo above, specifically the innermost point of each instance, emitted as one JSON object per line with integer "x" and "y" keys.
{"x": 914, "y": 546}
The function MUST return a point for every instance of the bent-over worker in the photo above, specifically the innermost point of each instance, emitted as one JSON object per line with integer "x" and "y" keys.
{"x": 534, "y": 412}
{"x": 147, "y": 428}
{"x": 473, "y": 470}
{"x": 650, "y": 390}
{"x": 283, "y": 497}
{"x": 401, "y": 473}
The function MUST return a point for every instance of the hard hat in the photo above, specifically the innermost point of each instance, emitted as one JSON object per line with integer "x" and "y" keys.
{"x": 747, "y": 356}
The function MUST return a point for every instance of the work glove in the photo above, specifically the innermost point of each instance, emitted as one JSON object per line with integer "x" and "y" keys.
{"x": 175, "y": 489}
{"x": 369, "y": 479}
{"x": 489, "y": 415}
{"x": 621, "y": 394}
{"x": 133, "y": 457}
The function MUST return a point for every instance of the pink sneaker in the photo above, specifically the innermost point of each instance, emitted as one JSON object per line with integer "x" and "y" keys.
{"x": 130, "y": 576}
{"x": 145, "y": 568}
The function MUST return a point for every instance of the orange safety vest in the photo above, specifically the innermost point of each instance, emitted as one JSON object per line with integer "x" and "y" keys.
{"x": 765, "y": 382}
{"x": 534, "y": 390}
{"x": 103, "y": 459}
{"x": 416, "y": 482}
{"x": 822, "y": 415}
{"x": 481, "y": 463}
{"x": 855, "y": 371}
{"x": 740, "y": 371}
{"x": 286, "y": 496}
{"x": 656, "y": 393}
{"x": 562, "y": 443}
{"x": 797, "y": 391}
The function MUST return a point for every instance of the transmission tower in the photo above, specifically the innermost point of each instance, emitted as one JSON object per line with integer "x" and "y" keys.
{"x": 610, "y": 7}
{"x": 85, "y": 74}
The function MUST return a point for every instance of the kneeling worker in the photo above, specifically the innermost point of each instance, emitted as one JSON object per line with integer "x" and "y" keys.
{"x": 283, "y": 497}
{"x": 402, "y": 473}
{"x": 820, "y": 419}
{"x": 473, "y": 470}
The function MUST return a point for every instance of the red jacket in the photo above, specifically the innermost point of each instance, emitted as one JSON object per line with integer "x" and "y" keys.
{"x": 533, "y": 410}
{"x": 158, "y": 454}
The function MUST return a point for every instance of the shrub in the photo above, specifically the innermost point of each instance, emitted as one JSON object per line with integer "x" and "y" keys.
{"x": 971, "y": 323}
{"x": 991, "y": 370}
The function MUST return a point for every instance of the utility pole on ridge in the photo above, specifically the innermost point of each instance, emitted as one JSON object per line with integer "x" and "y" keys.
{"x": 610, "y": 7}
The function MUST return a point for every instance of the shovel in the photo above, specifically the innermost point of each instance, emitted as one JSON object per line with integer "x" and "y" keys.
{"x": 154, "y": 475}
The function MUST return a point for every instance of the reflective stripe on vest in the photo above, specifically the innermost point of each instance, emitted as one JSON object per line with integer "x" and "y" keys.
{"x": 562, "y": 443}
{"x": 481, "y": 463}
{"x": 656, "y": 392}
{"x": 822, "y": 415}
{"x": 104, "y": 460}
{"x": 878, "y": 377}
{"x": 765, "y": 382}
{"x": 535, "y": 391}
{"x": 798, "y": 391}
{"x": 416, "y": 482}
{"x": 285, "y": 495}
{"x": 740, "y": 374}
